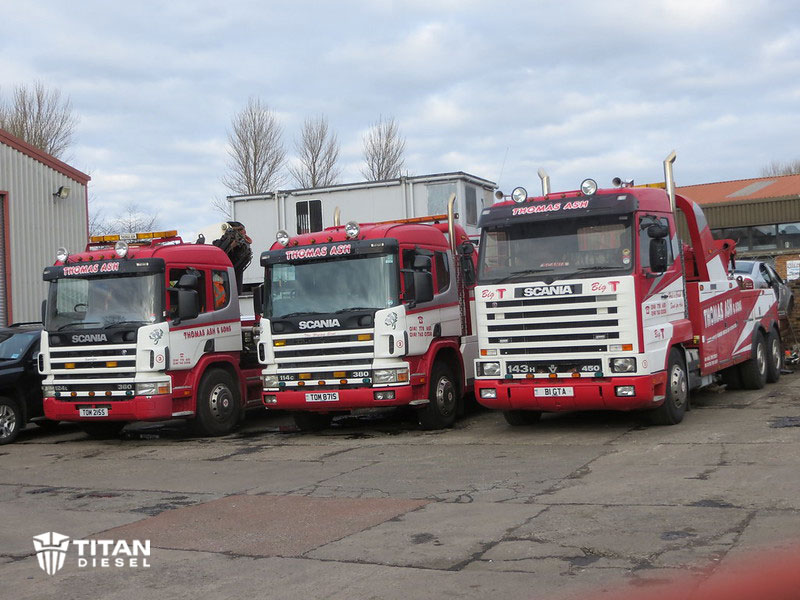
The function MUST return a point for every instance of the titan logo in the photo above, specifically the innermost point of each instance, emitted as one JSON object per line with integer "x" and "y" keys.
{"x": 51, "y": 550}
{"x": 89, "y": 337}
{"x": 319, "y": 323}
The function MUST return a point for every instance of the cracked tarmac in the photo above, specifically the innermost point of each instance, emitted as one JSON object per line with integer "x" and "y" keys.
{"x": 581, "y": 503}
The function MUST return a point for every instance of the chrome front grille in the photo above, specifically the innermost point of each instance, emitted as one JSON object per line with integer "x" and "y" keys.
{"x": 83, "y": 372}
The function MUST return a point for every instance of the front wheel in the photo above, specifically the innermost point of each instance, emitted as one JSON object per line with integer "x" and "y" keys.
{"x": 774, "y": 357}
{"x": 754, "y": 369}
{"x": 10, "y": 420}
{"x": 218, "y": 404}
{"x": 673, "y": 408}
{"x": 440, "y": 412}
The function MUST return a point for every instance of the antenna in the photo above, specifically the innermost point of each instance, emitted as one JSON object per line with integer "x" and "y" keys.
{"x": 502, "y": 166}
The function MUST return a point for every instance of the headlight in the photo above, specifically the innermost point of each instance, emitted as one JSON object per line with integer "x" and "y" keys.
{"x": 623, "y": 365}
{"x": 390, "y": 375}
{"x": 282, "y": 237}
{"x": 519, "y": 194}
{"x": 589, "y": 187}
{"x": 62, "y": 254}
{"x": 49, "y": 390}
{"x": 121, "y": 249}
{"x": 151, "y": 388}
{"x": 489, "y": 369}
{"x": 269, "y": 381}
{"x": 351, "y": 230}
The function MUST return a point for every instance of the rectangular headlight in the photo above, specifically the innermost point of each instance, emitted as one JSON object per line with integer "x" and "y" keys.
{"x": 389, "y": 375}
{"x": 49, "y": 390}
{"x": 151, "y": 388}
{"x": 489, "y": 369}
{"x": 269, "y": 381}
{"x": 623, "y": 365}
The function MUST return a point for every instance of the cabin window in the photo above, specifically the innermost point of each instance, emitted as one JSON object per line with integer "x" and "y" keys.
{"x": 442, "y": 272}
{"x": 471, "y": 201}
{"x": 175, "y": 277}
{"x": 309, "y": 216}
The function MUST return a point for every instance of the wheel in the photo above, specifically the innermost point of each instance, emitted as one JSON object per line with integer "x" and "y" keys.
{"x": 522, "y": 417}
{"x": 673, "y": 408}
{"x": 440, "y": 412}
{"x": 104, "y": 430}
{"x": 774, "y": 357}
{"x": 312, "y": 421}
{"x": 218, "y": 404}
{"x": 10, "y": 420}
{"x": 754, "y": 369}
{"x": 732, "y": 378}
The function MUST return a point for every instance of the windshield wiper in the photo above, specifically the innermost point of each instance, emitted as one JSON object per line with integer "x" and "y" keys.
{"x": 130, "y": 322}
{"x": 299, "y": 313}
{"x": 341, "y": 310}
{"x": 521, "y": 273}
{"x": 78, "y": 323}
{"x": 599, "y": 268}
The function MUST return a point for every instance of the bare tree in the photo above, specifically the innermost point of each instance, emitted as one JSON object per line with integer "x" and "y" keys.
{"x": 40, "y": 117}
{"x": 318, "y": 153}
{"x": 777, "y": 168}
{"x": 383, "y": 150}
{"x": 257, "y": 155}
{"x": 133, "y": 220}
{"x": 98, "y": 225}
{"x": 223, "y": 206}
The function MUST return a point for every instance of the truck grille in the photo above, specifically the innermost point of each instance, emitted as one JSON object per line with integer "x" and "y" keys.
{"x": 79, "y": 370}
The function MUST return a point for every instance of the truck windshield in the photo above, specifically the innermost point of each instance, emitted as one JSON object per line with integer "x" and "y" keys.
{"x": 563, "y": 248}
{"x": 104, "y": 301}
{"x": 331, "y": 286}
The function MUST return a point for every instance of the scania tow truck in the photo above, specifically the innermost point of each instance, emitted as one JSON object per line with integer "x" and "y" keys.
{"x": 369, "y": 315}
{"x": 145, "y": 327}
{"x": 589, "y": 300}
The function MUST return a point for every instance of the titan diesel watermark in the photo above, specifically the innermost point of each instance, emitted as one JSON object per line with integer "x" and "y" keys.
{"x": 52, "y": 549}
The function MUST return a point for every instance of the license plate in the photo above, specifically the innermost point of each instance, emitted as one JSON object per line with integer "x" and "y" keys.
{"x": 93, "y": 412}
{"x": 551, "y": 392}
{"x": 322, "y": 397}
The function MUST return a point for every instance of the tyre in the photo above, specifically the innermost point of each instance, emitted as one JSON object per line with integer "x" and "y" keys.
{"x": 218, "y": 404}
{"x": 774, "y": 356}
{"x": 522, "y": 417}
{"x": 10, "y": 420}
{"x": 440, "y": 412}
{"x": 732, "y": 378}
{"x": 673, "y": 408}
{"x": 754, "y": 370}
{"x": 105, "y": 430}
{"x": 311, "y": 421}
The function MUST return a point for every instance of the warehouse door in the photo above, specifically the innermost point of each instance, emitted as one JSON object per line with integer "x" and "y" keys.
{"x": 3, "y": 302}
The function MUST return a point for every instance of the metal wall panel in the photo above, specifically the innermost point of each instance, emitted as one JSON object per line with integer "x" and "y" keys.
{"x": 766, "y": 212}
{"x": 38, "y": 225}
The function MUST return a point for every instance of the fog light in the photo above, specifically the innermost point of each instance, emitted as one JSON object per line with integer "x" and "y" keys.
{"x": 625, "y": 390}
{"x": 386, "y": 395}
{"x": 623, "y": 365}
{"x": 488, "y": 393}
{"x": 269, "y": 399}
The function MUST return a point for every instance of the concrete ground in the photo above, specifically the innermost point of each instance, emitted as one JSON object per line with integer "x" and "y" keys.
{"x": 375, "y": 508}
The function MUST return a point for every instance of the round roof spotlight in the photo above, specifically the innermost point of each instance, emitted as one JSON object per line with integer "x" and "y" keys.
{"x": 282, "y": 236}
{"x": 519, "y": 194}
{"x": 588, "y": 187}
{"x": 121, "y": 249}
{"x": 351, "y": 230}
{"x": 499, "y": 194}
{"x": 62, "y": 255}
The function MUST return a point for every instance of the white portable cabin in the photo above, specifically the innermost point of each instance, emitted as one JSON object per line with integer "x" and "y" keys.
{"x": 307, "y": 210}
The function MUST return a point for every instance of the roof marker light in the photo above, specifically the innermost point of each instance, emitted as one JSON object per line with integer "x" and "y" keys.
{"x": 519, "y": 194}
{"x": 62, "y": 254}
{"x": 282, "y": 236}
{"x": 589, "y": 187}
{"x": 121, "y": 249}
{"x": 351, "y": 230}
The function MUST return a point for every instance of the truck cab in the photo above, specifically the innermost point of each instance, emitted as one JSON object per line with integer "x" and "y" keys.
{"x": 368, "y": 315}
{"x": 146, "y": 329}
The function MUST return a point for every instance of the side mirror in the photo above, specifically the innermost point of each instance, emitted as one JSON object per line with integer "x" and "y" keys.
{"x": 423, "y": 286}
{"x": 44, "y": 310}
{"x": 467, "y": 264}
{"x": 658, "y": 255}
{"x": 657, "y": 231}
{"x": 188, "y": 281}
{"x": 422, "y": 263}
{"x": 258, "y": 300}
{"x": 188, "y": 304}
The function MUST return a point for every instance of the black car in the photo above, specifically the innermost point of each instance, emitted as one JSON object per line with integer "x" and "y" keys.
{"x": 20, "y": 382}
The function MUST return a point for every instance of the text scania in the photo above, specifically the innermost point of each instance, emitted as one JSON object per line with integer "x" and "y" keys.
{"x": 90, "y": 269}
{"x": 89, "y": 337}
{"x": 319, "y": 323}
{"x": 543, "y": 208}
{"x": 318, "y": 252}
{"x": 551, "y": 290}
{"x": 717, "y": 312}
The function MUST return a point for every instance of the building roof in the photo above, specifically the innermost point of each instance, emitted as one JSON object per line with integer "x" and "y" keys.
{"x": 759, "y": 188}
{"x": 43, "y": 157}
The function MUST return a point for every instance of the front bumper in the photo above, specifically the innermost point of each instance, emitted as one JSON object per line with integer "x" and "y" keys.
{"x": 349, "y": 399}
{"x": 138, "y": 408}
{"x": 587, "y": 394}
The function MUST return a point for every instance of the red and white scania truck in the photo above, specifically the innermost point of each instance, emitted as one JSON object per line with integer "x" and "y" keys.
{"x": 588, "y": 300}
{"x": 144, "y": 327}
{"x": 369, "y": 315}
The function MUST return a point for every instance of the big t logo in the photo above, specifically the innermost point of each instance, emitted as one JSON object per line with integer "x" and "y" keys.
{"x": 51, "y": 550}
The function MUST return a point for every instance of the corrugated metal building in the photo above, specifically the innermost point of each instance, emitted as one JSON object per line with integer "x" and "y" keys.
{"x": 43, "y": 205}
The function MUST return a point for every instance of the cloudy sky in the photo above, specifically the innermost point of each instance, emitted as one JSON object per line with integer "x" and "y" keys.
{"x": 498, "y": 89}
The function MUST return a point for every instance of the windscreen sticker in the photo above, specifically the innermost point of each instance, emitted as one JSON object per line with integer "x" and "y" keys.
{"x": 318, "y": 252}
{"x": 543, "y": 208}
{"x": 88, "y": 269}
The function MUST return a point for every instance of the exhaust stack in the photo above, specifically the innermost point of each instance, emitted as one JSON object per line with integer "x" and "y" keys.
{"x": 669, "y": 179}
{"x": 545, "y": 182}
